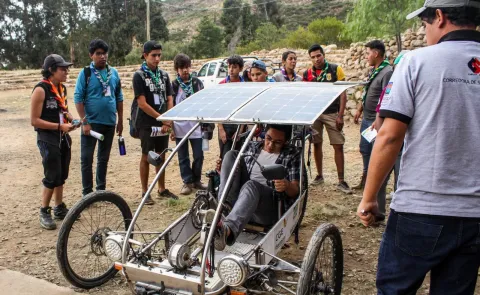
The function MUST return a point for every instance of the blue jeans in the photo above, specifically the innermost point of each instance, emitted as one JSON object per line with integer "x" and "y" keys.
{"x": 190, "y": 174}
{"x": 415, "y": 244}
{"x": 366, "y": 151}
{"x": 88, "y": 144}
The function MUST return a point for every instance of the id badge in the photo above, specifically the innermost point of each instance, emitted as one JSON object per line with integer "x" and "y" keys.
{"x": 156, "y": 99}
{"x": 108, "y": 92}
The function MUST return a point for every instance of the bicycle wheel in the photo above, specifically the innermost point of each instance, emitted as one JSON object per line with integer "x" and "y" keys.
{"x": 322, "y": 267}
{"x": 80, "y": 254}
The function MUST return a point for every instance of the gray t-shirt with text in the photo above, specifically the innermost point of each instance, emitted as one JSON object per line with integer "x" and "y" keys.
{"x": 436, "y": 91}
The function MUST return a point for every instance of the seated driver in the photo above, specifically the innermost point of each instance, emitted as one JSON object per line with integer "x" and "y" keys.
{"x": 251, "y": 196}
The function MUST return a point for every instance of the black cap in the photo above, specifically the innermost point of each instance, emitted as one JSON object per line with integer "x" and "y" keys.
{"x": 55, "y": 59}
{"x": 149, "y": 46}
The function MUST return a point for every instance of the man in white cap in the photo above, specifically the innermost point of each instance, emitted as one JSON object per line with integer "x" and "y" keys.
{"x": 433, "y": 103}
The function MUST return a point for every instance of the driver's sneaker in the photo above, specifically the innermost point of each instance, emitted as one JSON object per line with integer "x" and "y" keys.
{"x": 46, "y": 220}
{"x": 199, "y": 185}
{"x": 221, "y": 236}
{"x": 343, "y": 187}
{"x": 318, "y": 180}
{"x": 167, "y": 194}
{"x": 60, "y": 211}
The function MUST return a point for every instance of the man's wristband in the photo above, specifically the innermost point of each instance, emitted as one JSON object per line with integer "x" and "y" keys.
{"x": 85, "y": 122}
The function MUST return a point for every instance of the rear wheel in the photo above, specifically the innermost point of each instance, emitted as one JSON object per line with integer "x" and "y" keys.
{"x": 322, "y": 267}
{"x": 80, "y": 253}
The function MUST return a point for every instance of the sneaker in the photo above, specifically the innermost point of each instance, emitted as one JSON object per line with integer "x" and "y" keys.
{"x": 186, "y": 189}
{"x": 318, "y": 180}
{"x": 343, "y": 187}
{"x": 149, "y": 200}
{"x": 46, "y": 220}
{"x": 221, "y": 236}
{"x": 199, "y": 185}
{"x": 167, "y": 194}
{"x": 60, "y": 211}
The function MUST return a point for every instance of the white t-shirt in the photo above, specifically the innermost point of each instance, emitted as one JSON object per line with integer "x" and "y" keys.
{"x": 265, "y": 158}
{"x": 181, "y": 128}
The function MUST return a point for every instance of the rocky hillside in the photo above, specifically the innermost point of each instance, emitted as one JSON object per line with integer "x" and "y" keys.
{"x": 183, "y": 16}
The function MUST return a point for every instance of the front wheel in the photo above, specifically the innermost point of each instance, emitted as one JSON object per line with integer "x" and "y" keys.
{"x": 80, "y": 253}
{"x": 322, "y": 267}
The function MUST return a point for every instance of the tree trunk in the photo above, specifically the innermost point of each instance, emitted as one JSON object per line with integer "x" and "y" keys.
{"x": 72, "y": 49}
{"x": 398, "y": 36}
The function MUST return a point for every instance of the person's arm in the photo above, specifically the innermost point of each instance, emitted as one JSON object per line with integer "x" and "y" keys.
{"x": 221, "y": 133}
{"x": 385, "y": 151}
{"x": 343, "y": 99}
{"x": 79, "y": 98}
{"x": 120, "y": 118}
{"x": 36, "y": 105}
{"x": 291, "y": 188}
{"x": 144, "y": 106}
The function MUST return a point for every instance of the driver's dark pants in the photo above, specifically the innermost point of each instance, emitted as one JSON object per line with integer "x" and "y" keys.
{"x": 251, "y": 201}
{"x": 415, "y": 244}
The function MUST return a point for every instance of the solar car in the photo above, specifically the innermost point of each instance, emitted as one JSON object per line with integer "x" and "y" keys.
{"x": 100, "y": 236}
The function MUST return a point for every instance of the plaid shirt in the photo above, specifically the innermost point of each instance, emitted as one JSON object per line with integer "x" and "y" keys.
{"x": 289, "y": 157}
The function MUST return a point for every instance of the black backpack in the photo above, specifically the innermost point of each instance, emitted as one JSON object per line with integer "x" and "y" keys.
{"x": 133, "y": 120}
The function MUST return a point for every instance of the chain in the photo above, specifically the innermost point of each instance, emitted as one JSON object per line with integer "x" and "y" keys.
{"x": 186, "y": 218}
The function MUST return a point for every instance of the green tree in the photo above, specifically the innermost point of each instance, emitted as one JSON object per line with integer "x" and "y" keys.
{"x": 329, "y": 30}
{"x": 230, "y": 19}
{"x": 208, "y": 42}
{"x": 379, "y": 18}
{"x": 301, "y": 38}
{"x": 267, "y": 36}
{"x": 268, "y": 11}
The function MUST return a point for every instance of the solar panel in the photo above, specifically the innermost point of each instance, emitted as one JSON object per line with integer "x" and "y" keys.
{"x": 295, "y": 103}
{"x": 215, "y": 104}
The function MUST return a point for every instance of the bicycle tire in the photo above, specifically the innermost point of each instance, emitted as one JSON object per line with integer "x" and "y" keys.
{"x": 63, "y": 237}
{"x": 323, "y": 232}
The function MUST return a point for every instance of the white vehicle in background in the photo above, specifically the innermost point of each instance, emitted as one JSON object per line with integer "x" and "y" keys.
{"x": 214, "y": 71}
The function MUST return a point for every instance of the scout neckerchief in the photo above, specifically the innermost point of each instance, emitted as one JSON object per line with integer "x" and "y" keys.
{"x": 323, "y": 76}
{"x": 285, "y": 75}
{"x": 186, "y": 87}
{"x": 60, "y": 97}
{"x": 154, "y": 76}
{"x": 105, "y": 81}
{"x": 374, "y": 72}
{"x": 228, "y": 79}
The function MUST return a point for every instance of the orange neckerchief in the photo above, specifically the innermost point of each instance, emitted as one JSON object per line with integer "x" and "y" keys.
{"x": 60, "y": 97}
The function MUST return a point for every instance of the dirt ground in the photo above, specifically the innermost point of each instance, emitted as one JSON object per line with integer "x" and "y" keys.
{"x": 26, "y": 247}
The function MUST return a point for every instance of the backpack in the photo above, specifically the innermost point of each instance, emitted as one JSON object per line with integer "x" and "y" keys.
{"x": 133, "y": 120}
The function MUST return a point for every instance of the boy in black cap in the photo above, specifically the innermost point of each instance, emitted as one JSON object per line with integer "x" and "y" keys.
{"x": 153, "y": 92}
{"x": 50, "y": 116}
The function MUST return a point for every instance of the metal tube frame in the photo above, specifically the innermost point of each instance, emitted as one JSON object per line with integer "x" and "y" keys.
{"x": 218, "y": 211}
{"x": 150, "y": 189}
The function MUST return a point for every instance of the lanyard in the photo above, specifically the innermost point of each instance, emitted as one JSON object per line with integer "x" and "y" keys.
{"x": 372, "y": 76}
{"x": 285, "y": 75}
{"x": 323, "y": 76}
{"x": 186, "y": 87}
{"x": 105, "y": 82}
{"x": 155, "y": 76}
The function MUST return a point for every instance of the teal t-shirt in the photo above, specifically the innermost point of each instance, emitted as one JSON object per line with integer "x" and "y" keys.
{"x": 99, "y": 108}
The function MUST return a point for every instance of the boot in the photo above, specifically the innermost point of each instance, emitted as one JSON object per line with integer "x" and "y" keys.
{"x": 361, "y": 185}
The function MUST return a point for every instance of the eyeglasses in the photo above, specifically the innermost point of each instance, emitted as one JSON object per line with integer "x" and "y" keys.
{"x": 277, "y": 143}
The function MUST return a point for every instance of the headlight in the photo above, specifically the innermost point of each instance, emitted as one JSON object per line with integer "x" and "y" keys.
{"x": 113, "y": 247}
{"x": 233, "y": 270}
